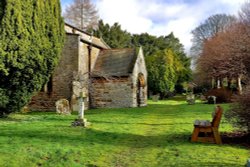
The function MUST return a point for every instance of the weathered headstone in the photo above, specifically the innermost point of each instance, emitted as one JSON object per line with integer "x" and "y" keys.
{"x": 211, "y": 99}
{"x": 190, "y": 98}
{"x": 62, "y": 107}
{"x": 25, "y": 109}
{"x": 155, "y": 98}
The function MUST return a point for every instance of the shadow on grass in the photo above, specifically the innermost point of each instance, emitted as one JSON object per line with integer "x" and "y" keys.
{"x": 92, "y": 136}
{"x": 236, "y": 138}
{"x": 138, "y": 123}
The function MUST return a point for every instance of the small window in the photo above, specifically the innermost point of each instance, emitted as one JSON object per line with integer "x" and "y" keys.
{"x": 48, "y": 87}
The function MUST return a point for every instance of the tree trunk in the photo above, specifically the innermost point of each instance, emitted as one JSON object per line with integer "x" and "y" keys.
{"x": 229, "y": 83}
{"x": 212, "y": 82}
{"x": 239, "y": 85}
{"x": 218, "y": 84}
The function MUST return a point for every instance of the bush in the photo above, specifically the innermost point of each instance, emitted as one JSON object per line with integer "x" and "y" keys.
{"x": 222, "y": 95}
{"x": 239, "y": 112}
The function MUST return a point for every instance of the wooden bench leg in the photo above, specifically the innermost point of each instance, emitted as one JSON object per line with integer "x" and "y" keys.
{"x": 195, "y": 134}
{"x": 217, "y": 137}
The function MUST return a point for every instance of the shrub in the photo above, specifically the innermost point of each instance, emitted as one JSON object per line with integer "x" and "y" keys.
{"x": 222, "y": 95}
{"x": 239, "y": 112}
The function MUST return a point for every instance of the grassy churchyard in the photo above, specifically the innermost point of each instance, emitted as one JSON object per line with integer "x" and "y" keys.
{"x": 157, "y": 135}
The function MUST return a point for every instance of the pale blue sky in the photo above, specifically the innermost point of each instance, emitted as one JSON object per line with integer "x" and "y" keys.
{"x": 160, "y": 17}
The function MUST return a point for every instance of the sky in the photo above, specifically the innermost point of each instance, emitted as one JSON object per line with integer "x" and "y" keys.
{"x": 161, "y": 17}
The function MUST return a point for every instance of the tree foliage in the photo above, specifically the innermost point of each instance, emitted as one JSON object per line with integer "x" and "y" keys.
{"x": 167, "y": 64}
{"x": 31, "y": 38}
{"x": 113, "y": 35}
{"x": 82, "y": 14}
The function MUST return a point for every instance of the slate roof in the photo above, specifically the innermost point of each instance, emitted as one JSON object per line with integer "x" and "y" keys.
{"x": 115, "y": 62}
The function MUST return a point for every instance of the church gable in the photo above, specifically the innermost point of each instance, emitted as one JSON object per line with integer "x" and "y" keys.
{"x": 119, "y": 79}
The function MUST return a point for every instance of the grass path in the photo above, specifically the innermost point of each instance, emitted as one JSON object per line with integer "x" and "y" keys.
{"x": 157, "y": 135}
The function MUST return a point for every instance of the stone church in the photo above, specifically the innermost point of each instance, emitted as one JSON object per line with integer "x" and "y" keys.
{"x": 107, "y": 78}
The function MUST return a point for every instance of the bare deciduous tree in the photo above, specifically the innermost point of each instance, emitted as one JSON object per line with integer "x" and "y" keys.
{"x": 82, "y": 14}
{"x": 212, "y": 26}
{"x": 225, "y": 54}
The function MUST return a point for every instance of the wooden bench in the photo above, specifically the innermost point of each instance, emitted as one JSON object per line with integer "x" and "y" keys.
{"x": 206, "y": 131}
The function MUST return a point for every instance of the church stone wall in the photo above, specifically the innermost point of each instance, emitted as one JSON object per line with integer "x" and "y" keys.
{"x": 112, "y": 93}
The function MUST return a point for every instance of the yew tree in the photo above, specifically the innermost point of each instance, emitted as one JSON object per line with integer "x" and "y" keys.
{"x": 31, "y": 39}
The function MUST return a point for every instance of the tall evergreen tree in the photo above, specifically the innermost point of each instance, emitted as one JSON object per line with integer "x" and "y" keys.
{"x": 31, "y": 39}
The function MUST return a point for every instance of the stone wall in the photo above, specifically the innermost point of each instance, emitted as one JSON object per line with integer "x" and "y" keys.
{"x": 83, "y": 69}
{"x": 61, "y": 79}
{"x": 43, "y": 101}
{"x": 121, "y": 91}
{"x": 112, "y": 93}
{"x": 140, "y": 69}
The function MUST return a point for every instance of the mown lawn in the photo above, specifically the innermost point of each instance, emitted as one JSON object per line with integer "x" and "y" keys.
{"x": 157, "y": 135}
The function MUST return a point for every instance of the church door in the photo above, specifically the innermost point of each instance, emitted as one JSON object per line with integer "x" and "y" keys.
{"x": 140, "y": 90}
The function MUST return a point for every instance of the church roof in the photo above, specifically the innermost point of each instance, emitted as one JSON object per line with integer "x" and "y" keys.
{"x": 115, "y": 62}
{"x": 86, "y": 37}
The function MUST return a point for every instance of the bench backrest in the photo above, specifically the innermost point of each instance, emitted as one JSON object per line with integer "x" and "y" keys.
{"x": 217, "y": 116}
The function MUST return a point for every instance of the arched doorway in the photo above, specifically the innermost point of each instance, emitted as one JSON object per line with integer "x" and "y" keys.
{"x": 140, "y": 93}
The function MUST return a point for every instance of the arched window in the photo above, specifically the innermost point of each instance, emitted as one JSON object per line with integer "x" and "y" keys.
{"x": 48, "y": 87}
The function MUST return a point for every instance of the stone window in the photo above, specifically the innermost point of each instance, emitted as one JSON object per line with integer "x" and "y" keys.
{"x": 48, "y": 87}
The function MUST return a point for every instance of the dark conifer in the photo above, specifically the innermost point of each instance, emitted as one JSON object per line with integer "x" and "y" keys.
{"x": 31, "y": 39}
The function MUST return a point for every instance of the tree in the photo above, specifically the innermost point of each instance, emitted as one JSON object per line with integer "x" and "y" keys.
{"x": 183, "y": 71}
{"x": 31, "y": 39}
{"x": 169, "y": 46}
{"x": 82, "y": 14}
{"x": 223, "y": 55}
{"x": 239, "y": 113}
{"x": 244, "y": 15}
{"x": 150, "y": 44}
{"x": 212, "y": 26}
{"x": 163, "y": 69}
{"x": 113, "y": 35}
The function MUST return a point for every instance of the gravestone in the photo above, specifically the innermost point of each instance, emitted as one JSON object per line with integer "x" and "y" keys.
{"x": 155, "y": 98}
{"x": 62, "y": 107}
{"x": 211, "y": 99}
{"x": 190, "y": 98}
{"x": 248, "y": 163}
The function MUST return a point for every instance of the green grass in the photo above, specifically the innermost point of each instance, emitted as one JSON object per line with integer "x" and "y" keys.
{"x": 157, "y": 135}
